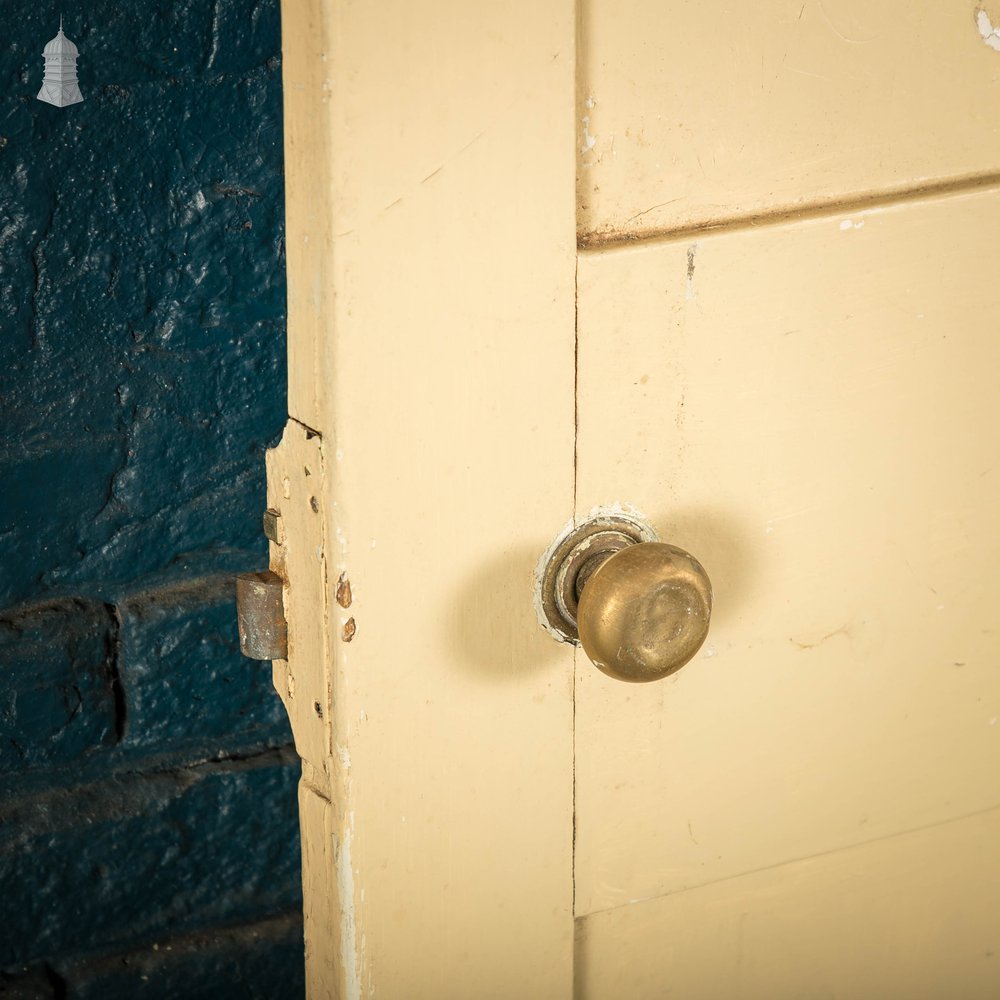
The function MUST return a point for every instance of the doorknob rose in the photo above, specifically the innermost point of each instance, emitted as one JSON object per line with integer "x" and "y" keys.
{"x": 641, "y": 608}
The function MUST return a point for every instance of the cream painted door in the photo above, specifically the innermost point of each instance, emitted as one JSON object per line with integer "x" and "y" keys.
{"x": 735, "y": 269}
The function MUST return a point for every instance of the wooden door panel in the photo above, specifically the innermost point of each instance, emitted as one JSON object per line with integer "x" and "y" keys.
{"x": 812, "y": 409}
{"x": 690, "y": 114}
{"x": 911, "y": 916}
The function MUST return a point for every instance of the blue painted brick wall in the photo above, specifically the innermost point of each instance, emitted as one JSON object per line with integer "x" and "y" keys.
{"x": 148, "y": 827}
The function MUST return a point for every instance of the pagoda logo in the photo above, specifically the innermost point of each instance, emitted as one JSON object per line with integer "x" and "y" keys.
{"x": 59, "y": 86}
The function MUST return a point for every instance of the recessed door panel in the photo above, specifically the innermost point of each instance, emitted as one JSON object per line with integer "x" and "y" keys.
{"x": 689, "y": 114}
{"x": 812, "y": 409}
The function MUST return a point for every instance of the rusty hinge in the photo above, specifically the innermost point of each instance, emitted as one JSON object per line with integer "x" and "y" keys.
{"x": 260, "y": 605}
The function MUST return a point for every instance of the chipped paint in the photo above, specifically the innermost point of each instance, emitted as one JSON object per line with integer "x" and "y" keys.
{"x": 989, "y": 34}
{"x": 689, "y": 287}
{"x": 589, "y": 140}
{"x": 851, "y": 224}
{"x": 344, "y": 595}
{"x": 348, "y": 924}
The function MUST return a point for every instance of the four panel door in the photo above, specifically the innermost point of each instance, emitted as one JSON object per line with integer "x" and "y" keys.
{"x": 735, "y": 270}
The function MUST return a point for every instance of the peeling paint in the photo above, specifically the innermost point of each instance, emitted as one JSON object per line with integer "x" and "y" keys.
{"x": 990, "y": 35}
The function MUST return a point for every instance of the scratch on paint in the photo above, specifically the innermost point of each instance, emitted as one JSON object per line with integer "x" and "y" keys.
{"x": 843, "y": 630}
{"x": 652, "y": 208}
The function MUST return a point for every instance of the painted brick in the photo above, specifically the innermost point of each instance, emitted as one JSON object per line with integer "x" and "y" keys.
{"x": 142, "y": 341}
{"x": 142, "y": 295}
{"x": 37, "y": 983}
{"x": 137, "y": 856}
{"x": 260, "y": 960}
{"x": 59, "y": 692}
{"x": 182, "y": 673}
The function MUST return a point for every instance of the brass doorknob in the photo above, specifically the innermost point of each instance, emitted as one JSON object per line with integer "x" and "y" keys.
{"x": 644, "y": 611}
{"x": 639, "y": 607}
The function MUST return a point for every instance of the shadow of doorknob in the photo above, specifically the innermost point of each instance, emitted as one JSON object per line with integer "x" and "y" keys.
{"x": 640, "y": 608}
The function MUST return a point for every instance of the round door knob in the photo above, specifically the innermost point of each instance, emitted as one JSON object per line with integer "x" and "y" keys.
{"x": 639, "y": 607}
{"x": 644, "y": 612}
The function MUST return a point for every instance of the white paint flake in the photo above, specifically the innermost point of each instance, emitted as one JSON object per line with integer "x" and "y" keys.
{"x": 589, "y": 141}
{"x": 990, "y": 35}
{"x": 851, "y": 224}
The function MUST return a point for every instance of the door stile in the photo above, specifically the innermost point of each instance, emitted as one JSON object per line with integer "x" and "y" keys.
{"x": 431, "y": 254}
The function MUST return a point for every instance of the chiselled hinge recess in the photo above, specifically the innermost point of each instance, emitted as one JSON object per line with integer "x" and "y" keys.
{"x": 260, "y": 612}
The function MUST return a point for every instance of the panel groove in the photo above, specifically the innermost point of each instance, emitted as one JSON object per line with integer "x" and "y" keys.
{"x": 598, "y": 242}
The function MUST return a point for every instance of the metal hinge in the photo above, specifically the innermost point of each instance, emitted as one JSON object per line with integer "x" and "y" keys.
{"x": 260, "y": 606}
